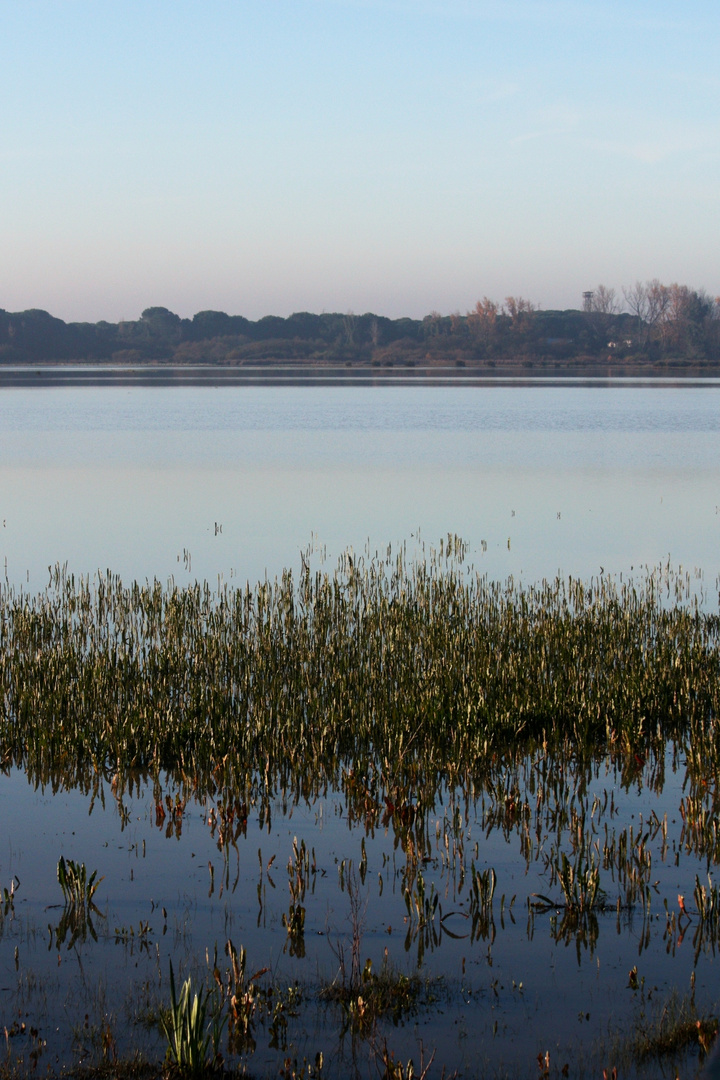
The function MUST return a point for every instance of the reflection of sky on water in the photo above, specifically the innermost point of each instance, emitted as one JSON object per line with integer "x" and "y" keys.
{"x": 131, "y": 478}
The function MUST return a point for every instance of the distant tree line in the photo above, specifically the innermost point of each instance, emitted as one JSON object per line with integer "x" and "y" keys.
{"x": 652, "y": 323}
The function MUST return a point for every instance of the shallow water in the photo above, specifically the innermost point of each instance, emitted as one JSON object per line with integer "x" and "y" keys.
{"x": 523, "y": 982}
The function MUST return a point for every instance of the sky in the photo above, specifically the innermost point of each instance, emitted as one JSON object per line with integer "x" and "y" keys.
{"x": 397, "y": 156}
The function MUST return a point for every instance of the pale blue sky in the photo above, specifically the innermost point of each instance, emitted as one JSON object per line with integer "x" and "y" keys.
{"x": 397, "y": 156}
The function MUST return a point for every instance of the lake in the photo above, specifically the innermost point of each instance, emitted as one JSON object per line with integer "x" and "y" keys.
{"x": 229, "y": 484}
{"x": 197, "y": 482}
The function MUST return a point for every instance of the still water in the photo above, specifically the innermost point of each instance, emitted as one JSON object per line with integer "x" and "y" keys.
{"x": 235, "y": 482}
{"x": 197, "y": 482}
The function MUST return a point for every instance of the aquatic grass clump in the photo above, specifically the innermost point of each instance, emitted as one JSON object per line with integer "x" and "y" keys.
{"x": 243, "y": 998}
{"x": 580, "y": 883}
{"x": 77, "y": 888}
{"x": 78, "y": 891}
{"x": 707, "y": 898}
{"x": 193, "y": 1041}
{"x": 408, "y": 672}
{"x": 671, "y": 1029}
{"x": 387, "y": 993}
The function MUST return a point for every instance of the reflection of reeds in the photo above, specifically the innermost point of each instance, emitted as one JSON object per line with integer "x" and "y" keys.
{"x": 482, "y": 891}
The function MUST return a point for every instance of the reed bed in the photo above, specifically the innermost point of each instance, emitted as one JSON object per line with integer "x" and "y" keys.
{"x": 416, "y": 670}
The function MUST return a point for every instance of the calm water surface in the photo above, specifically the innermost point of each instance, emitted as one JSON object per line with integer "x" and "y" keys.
{"x": 197, "y": 482}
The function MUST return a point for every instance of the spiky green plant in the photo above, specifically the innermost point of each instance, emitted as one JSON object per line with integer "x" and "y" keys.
{"x": 77, "y": 888}
{"x": 193, "y": 1042}
{"x": 78, "y": 891}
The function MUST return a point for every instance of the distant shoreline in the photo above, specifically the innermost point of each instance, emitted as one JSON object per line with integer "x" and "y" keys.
{"x": 678, "y": 332}
{"x": 281, "y": 373}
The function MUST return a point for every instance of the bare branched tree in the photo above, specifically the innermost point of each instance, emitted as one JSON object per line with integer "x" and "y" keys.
{"x": 649, "y": 303}
{"x": 658, "y": 301}
{"x": 636, "y": 299}
{"x": 605, "y": 301}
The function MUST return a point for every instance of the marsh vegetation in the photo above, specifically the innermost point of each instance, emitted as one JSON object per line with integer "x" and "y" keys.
{"x": 399, "y": 674}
